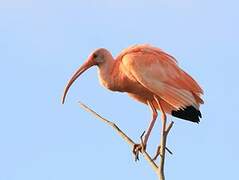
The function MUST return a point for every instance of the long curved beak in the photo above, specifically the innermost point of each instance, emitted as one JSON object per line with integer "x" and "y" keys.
{"x": 82, "y": 69}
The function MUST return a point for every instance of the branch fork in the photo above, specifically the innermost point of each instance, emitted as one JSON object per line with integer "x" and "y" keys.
{"x": 159, "y": 169}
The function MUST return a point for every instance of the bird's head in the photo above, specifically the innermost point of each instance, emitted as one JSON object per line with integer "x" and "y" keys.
{"x": 98, "y": 57}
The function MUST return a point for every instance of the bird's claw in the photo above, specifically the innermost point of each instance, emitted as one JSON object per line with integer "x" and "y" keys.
{"x": 136, "y": 150}
{"x": 139, "y": 148}
{"x": 158, "y": 152}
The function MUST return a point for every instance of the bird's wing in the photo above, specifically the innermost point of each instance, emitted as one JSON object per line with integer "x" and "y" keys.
{"x": 159, "y": 72}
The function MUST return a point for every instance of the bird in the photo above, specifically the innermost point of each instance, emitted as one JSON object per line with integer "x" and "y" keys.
{"x": 149, "y": 75}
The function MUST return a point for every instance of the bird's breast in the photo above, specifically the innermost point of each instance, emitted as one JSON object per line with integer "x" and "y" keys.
{"x": 106, "y": 83}
{"x": 105, "y": 79}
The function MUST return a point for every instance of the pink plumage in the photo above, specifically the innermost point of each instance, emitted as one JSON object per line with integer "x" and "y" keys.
{"x": 149, "y": 75}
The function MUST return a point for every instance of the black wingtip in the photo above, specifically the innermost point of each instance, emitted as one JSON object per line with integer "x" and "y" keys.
{"x": 189, "y": 113}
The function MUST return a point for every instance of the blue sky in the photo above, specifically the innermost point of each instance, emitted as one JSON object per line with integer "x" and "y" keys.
{"x": 43, "y": 42}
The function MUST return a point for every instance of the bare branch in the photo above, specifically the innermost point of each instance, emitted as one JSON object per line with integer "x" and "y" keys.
{"x": 113, "y": 125}
{"x": 121, "y": 134}
{"x": 161, "y": 149}
{"x": 169, "y": 127}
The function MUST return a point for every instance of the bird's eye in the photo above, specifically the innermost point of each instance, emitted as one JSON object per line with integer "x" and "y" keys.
{"x": 95, "y": 55}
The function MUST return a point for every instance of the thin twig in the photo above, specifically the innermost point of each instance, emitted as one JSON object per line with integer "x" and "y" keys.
{"x": 169, "y": 127}
{"x": 121, "y": 134}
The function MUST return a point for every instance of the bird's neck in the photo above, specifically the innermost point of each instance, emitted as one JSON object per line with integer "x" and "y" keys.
{"x": 105, "y": 73}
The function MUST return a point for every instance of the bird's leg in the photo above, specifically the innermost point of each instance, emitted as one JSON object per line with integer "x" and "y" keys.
{"x": 142, "y": 146}
{"x": 162, "y": 140}
{"x": 170, "y": 125}
{"x": 163, "y": 137}
{"x": 164, "y": 132}
{"x": 152, "y": 122}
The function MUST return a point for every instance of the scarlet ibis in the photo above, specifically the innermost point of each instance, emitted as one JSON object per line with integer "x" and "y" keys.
{"x": 149, "y": 75}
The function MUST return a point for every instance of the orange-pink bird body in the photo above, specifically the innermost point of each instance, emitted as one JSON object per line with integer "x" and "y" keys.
{"x": 143, "y": 72}
{"x": 148, "y": 75}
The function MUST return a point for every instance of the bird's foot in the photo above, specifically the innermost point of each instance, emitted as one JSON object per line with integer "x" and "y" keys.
{"x": 139, "y": 148}
{"x": 158, "y": 152}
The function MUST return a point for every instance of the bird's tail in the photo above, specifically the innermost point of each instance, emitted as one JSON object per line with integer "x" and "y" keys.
{"x": 189, "y": 113}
